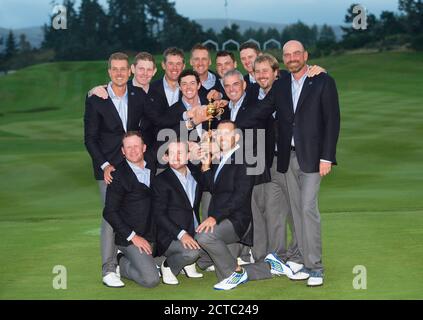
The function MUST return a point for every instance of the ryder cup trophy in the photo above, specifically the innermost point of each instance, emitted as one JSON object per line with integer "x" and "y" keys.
{"x": 214, "y": 112}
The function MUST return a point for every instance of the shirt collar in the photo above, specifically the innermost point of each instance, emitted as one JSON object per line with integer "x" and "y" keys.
{"x": 229, "y": 153}
{"x": 112, "y": 93}
{"x": 187, "y": 105}
{"x": 238, "y": 104}
{"x": 301, "y": 80}
{"x": 137, "y": 168}
{"x": 180, "y": 175}
{"x": 210, "y": 81}
{"x": 167, "y": 86}
{"x": 252, "y": 79}
{"x": 262, "y": 94}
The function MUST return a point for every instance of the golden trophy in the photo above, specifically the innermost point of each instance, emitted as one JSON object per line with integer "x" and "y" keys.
{"x": 214, "y": 112}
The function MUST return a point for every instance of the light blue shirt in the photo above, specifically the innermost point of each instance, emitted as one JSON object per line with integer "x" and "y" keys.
{"x": 210, "y": 81}
{"x": 224, "y": 159}
{"x": 190, "y": 186}
{"x": 121, "y": 104}
{"x": 143, "y": 174}
{"x": 252, "y": 79}
{"x": 235, "y": 108}
{"x": 296, "y": 87}
{"x": 172, "y": 96}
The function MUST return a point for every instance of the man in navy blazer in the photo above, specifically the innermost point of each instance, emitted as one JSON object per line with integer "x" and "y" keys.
{"x": 128, "y": 210}
{"x": 308, "y": 117}
{"x": 176, "y": 203}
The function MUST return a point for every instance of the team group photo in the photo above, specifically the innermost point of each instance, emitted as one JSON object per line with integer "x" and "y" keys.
{"x": 150, "y": 156}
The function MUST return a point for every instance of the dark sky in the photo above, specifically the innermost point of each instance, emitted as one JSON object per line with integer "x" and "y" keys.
{"x": 27, "y": 13}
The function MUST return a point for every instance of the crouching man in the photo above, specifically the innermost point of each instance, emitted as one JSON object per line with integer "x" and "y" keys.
{"x": 128, "y": 210}
{"x": 176, "y": 202}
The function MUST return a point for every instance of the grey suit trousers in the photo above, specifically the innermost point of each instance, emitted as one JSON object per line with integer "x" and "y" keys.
{"x": 303, "y": 189}
{"x": 107, "y": 238}
{"x": 139, "y": 267}
{"x": 260, "y": 240}
{"x": 218, "y": 249}
{"x": 205, "y": 202}
{"x": 178, "y": 257}
{"x": 278, "y": 215}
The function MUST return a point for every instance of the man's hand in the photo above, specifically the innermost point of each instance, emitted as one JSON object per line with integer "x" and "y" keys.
{"x": 207, "y": 225}
{"x": 99, "y": 91}
{"x": 314, "y": 71}
{"x": 108, "y": 174}
{"x": 325, "y": 168}
{"x": 142, "y": 244}
{"x": 214, "y": 95}
{"x": 198, "y": 114}
{"x": 189, "y": 243}
{"x": 221, "y": 103}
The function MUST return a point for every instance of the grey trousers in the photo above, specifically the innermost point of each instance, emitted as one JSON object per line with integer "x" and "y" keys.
{"x": 303, "y": 189}
{"x": 205, "y": 202}
{"x": 139, "y": 267}
{"x": 107, "y": 238}
{"x": 178, "y": 257}
{"x": 218, "y": 249}
{"x": 278, "y": 215}
{"x": 259, "y": 249}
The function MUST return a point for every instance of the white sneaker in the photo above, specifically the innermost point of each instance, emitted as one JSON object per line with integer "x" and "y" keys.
{"x": 315, "y": 279}
{"x": 167, "y": 275}
{"x": 241, "y": 262}
{"x": 210, "y": 269}
{"x": 295, "y": 267}
{"x": 277, "y": 267}
{"x": 231, "y": 282}
{"x": 191, "y": 272}
{"x": 303, "y": 274}
{"x": 112, "y": 280}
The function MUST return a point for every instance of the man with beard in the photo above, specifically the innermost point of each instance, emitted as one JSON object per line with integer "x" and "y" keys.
{"x": 308, "y": 117}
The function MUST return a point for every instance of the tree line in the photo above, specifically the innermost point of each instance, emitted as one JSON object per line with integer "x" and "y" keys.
{"x": 94, "y": 32}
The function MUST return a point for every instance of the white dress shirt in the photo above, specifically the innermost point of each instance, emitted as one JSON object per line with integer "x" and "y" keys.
{"x": 223, "y": 160}
{"x": 190, "y": 186}
{"x": 235, "y": 108}
{"x": 172, "y": 96}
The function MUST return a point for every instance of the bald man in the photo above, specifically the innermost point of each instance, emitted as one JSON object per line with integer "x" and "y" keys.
{"x": 308, "y": 117}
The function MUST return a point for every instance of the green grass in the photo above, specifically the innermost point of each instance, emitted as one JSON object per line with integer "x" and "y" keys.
{"x": 371, "y": 204}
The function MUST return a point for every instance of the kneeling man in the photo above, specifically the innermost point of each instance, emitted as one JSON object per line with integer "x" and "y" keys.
{"x": 128, "y": 211}
{"x": 176, "y": 202}
{"x": 230, "y": 218}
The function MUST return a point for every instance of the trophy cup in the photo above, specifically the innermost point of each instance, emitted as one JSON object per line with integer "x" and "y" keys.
{"x": 213, "y": 111}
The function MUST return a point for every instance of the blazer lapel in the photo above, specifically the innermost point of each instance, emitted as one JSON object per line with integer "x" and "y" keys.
{"x": 131, "y": 104}
{"x": 114, "y": 112}
{"x": 222, "y": 169}
{"x": 304, "y": 92}
{"x": 180, "y": 188}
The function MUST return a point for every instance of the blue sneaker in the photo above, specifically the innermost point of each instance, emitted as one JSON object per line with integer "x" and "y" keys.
{"x": 231, "y": 282}
{"x": 277, "y": 267}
